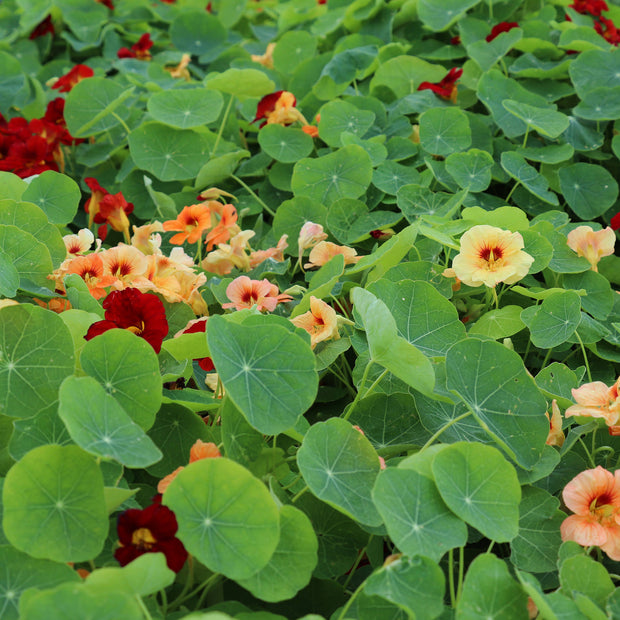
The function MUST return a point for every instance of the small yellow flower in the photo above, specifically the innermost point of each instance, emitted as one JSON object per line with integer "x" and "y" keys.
{"x": 265, "y": 59}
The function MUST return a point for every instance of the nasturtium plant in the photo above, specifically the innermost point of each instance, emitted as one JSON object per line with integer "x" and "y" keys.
{"x": 309, "y": 309}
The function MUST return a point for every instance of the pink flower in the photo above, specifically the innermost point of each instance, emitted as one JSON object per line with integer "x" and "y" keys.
{"x": 592, "y": 245}
{"x": 597, "y": 401}
{"x": 594, "y": 497}
{"x": 245, "y": 293}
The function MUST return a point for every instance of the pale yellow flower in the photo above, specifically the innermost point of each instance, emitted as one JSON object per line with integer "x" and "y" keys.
{"x": 265, "y": 59}
{"x": 592, "y": 245}
{"x": 326, "y": 250}
{"x": 490, "y": 255}
{"x": 321, "y": 321}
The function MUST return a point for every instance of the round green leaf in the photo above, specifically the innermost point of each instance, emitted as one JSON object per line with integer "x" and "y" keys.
{"x": 600, "y": 104}
{"x": 12, "y": 186}
{"x": 292, "y": 215}
{"x": 127, "y": 367}
{"x": 99, "y": 425}
{"x": 481, "y": 487}
{"x": 241, "y": 83}
{"x": 242, "y": 442}
{"x": 36, "y": 354}
{"x": 599, "y": 298}
{"x": 545, "y": 121}
{"x": 169, "y": 154}
{"x": 528, "y": 176}
{"x": 495, "y": 385}
{"x": 416, "y": 518}
{"x": 95, "y": 105}
{"x": 291, "y": 565}
{"x": 186, "y": 108}
{"x": 56, "y": 194}
{"x": 589, "y": 189}
{"x": 444, "y": 131}
{"x": 267, "y": 371}
{"x": 555, "y": 320}
{"x": 346, "y": 173}
{"x": 340, "y": 467}
{"x": 339, "y": 116}
{"x": 403, "y": 74}
{"x": 351, "y": 222}
{"x": 9, "y": 277}
{"x": 285, "y": 144}
{"x": 471, "y": 170}
{"x": 501, "y": 323}
{"x": 29, "y": 256}
{"x": 490, "y": 592}
{"x": 175, "y": 431}
{"x": 583, "y": 574}
{"x": 226, "y": 517}
{"x": 390, "y": 176}
{"x": 197, "y": 32}
{"x": 19, "y": 572}
{"x": 40, "y": 430}
{"x": 593, "y": 69}
{"x": 53, "y": 505}
{"x": 292, "y": 49}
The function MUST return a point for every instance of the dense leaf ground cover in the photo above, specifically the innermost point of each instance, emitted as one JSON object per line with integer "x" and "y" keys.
{"x": 309, "y": 309}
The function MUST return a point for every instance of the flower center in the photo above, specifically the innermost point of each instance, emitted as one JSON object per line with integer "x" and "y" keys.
{"x": 136, "y": 329}
{"x": 491, "y": 254}
{"x": 143, "y": 539}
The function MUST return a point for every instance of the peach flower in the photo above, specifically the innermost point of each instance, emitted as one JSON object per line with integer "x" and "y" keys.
{"x": 229, "y": 255}
{"x": 594, "y": 497}
{"x": 265, "y": 59}
{"x": 146, "y": 238}
{"x": 321, "y": 322}
{"x": 90, "y": 268}
{"x": 324, "y": 251}
{"x": 597, "y": 401}
{"x": 309, "y": 235}
{"x": 277, "y": 253}
{"x": 79, "y": 243}
{"x": 245, "y": 293}
{"x": 490, "y": 255}
{"x": 126, "y": 264}
{"x": 181, "y": 71}
{"x": 592, "y": 245}
{"x": 555, "y": 436}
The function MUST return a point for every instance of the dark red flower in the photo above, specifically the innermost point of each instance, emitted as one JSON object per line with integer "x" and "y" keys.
{"x": 445, "y": 88}
{"x": 209, "y": 7}
{"x": 113, "y": 212}
{"x": 198, "y": 326}
{"x": 455, "y": 40}
{"x": 591, "y": 7}
{"x": 150, "y": 530}
{"x": 499, "y": 28}
{"x": 107, "y": 3}
{"x": 267, "y": 104}
{"x": 45, "y": 27}
{"x": 139, "y": 50}
{"x": 65, "y": 83}
{"x": 607, "y": 29}
{"x": 140, "y": 313}
{"x": 615, "y": 221}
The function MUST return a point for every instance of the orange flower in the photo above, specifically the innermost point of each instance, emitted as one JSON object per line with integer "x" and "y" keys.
{"x": 180, "y": 71}
{"x": 490, "y": 255}
{"x": 592, "y": 245}
{"x": 55, "y": 304}
{"x": 555, "y": 436}
{"x": 245, "y": 293}
{"x": 594, "y": 497}
{"x": 267, "y": 58}
{"x": 311, "y": 130}
{"x": 321, "y": 322}
{"x": 277, "y": 253}
{"x": 225, "y": 228}
{"x": 279, "y": 108}
{"x": 596, "y": 400}
{"x": 80, "y": 243}
{"x": 192, "y": 222}
{"x": 90, "y": 269}
{"x": 326, "y": 250}
{"x": 200, "y": 450}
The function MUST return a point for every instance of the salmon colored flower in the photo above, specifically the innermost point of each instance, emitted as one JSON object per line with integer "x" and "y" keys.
{"x": 226, "y": 226}
{"x": 55, "y": 304}
{"x": 324, "y": 251}
{"x": 189, "y": 283}
{"x": 499, "y": 28}
{"x": 594, "y": 497}
{"x": 245, "y": 293}
{"x": 140, "y": 313}
{"x": 214, "y": 193}
{"x": 446, "y": 87}
{"x": 490, "y": 255}
{"x": 65, "y": 83}
{"x": 279, "y": 108}
{"x": 309, "y": 235}
{"x": 229, "y": 255}
{"x": 139, "y": 50}
{"x": 321, "y": 322}
{"x": 79, "y": 243}
{"x": 592, "y": 245}
{"x": 151, "y": 530}
{"x": 146, "y": 238}
{"x": 181, "y": 71}
{"x": 193, "y": 221}
{"x": 555, "y": 436}
{"x": 200, "y": 450}
{"x": 265, "y": 59}
{"x": 125, "y": 264}
{"x": 277, "y": 253}
{"x": 90, "y": 269}
{"x": 596, "y": 400}
{"x": 311, "y": 130}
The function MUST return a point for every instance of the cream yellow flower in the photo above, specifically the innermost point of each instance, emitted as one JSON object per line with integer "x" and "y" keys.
{"x": 592, "y": 245}
{"x": 490, "y": 255}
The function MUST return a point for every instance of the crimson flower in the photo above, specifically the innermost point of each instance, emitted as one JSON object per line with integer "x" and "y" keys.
{"x": 591, "y": 7}
{"x": 445, "y": 88}
{"x": 65, "y": 83}
{"x": 198, "y": 326}
{"x": 615, "y": 221}
{"x": 45, "y": 27}
{"x": 140, "y": 313}
{"x": 279, "y": 108}
{"x": 107, "y": 3}
{"x": 607, "y": 29}
{"x": 499, "y": 28}
{"x": 150, "y": 530}
{"x": 139, "y": 50}
{"x": 113, "y": 211}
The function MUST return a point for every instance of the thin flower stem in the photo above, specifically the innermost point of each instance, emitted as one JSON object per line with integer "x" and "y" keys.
{"x": 164, "y": 602}
{"x": 298, "y": 495}
{"x": 222, "y": 124}
{"x": 590, "y": 456}
{"x": 253, "y": 194}
{"x": 491, "y": 546}
{"x": 295, "y": 480}
{"x": 451, "y": 578}
{"x": 544, "y": 362}
{"x": 122, "y": 122}
{"x": 360, "y": 555}
{"x": 443, "y": 428}
{"x": 512, "y": 191}
{"x": 214, "y": 580}
{"x": 585, "y": 356}
{"x": 188, "y": 584}
{"x": 459, "y": 586}
{"x": 143, "y": 607}
{"x": 343, "y": 611}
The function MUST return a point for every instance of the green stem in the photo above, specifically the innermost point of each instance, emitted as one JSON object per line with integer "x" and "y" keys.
{"x": 164, "y": 602}
{"x": 213, "y": 580}
{"x": 253, "y": 194}
{"x": 222, "y": 124}
{"x": 590, "y": 456}
{"x": 544, "y": 362}
{"x": 122, "y": 122}
{"x": 142, "y": 606}
{"x": 298, "y": 495}
{"x": 585, "y": 357}
{"x": 507, "y": 199}
{"x": 451, "y": 578}
{"x": 343, "y": 611}
{"x": 527, "y": 131}
{"x": 491, "y": 546}
{"x": 444, "y": 428}
{"x": 459, "y": 586}
{"x": 188, "y": 584}
{"x": 360, "y": 555}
